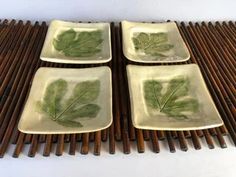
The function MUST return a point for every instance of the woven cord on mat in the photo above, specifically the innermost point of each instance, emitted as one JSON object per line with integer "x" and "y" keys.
{"x": 211, "y": 46}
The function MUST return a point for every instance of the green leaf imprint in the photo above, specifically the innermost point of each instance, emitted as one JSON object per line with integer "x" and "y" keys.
{"x": 69, "y": 123}
{"x": 77, "y": 106}
{"x": 78, "y": 44}
{"x": 153, "y": 44}
{"x": 88, "y": 110}
{"x": 173, "y": 101}
{"x": 53, "y": 95}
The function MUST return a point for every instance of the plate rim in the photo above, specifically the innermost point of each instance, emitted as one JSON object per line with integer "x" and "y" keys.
{"x": 21, "y": 127}
{"x": 125, "y": 46}
{"x": 137, "y": 125}
{"x": 71, "y": 61}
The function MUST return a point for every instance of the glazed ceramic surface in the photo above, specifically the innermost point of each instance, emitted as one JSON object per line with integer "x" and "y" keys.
{"x": 68, "y": 101}
{"x": 153, "y": 43}
{"x": 68, "y": 42}
{"x": 170, "y": 98}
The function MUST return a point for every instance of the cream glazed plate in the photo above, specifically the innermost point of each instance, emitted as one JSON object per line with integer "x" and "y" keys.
{"x": 78, "y": 43}
{"x": 63, "y": 101}
{"x": 153, "y": 42}
{"x": 170, "y": 98}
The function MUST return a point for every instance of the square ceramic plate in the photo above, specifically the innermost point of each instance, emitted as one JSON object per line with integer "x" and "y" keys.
{"x": 153, "y": 42}
{"x": 102, "y": 55}
{"x": 68, "y": 101}
{"x": 170, "y": 98}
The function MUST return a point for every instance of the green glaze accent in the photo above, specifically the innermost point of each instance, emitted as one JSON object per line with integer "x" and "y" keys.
{"x": 153, "y": 44}
{"x": 77, "y": 106}
{"x": 78, "y": 44}
{"x": 172, "y": 101}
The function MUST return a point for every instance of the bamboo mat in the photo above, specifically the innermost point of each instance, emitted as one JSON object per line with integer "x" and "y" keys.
{"x": 212, "y": 47}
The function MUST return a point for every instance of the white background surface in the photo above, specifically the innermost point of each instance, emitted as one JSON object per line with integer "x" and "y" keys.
{"x": 202, "y": 163}
{"x": 116, "y": 10}
{"x": 193, "y": 163}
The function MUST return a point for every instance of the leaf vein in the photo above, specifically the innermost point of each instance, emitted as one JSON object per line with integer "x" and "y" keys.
{"x": 171, "y": 95}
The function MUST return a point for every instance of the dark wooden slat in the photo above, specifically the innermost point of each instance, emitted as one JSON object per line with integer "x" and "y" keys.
{"x": 232, "y": 26}
{"x": 140, "y": 141}
{"x": 225, "y": 93}
{"x": 187, "y": 134}
{"x": 174, "y": 134}
{"x": 73, "y": 144}
{"x": 67, "y": 138}
{"x": 123, "y": 106}
{"x": 91, "y": 137}
{"x": 155, "y": 143}
{"x": 3, "y": 25}
{"x": 78, "y": 137}
{"x": 213, "y": 57}
{"x": 9, "y": 40}
{"x": 208, "y": 139}
{"x": 221, "y": 49}
{"x": 11, "y": 55}
{"x": 19, "y": 145}
{"x": 111, "y": 140}
{"x": 125, "y": 141}
{"x": 124, "y": 89}
{"x": 199, "y": 133}
{"x": 34, "y": 146}
{"x": 4, "y": 108}
{"x": 85, "y": 144}
{"x": 220, "y": 138}
{"x": 47, "y": 146}
{"x": 104, "y": 135}
{"x": 192, "y": 49}
{"x": 16, "y": 112}
{"x": 182, "y": 141}
{"x": 161, "y": 135}
{"x": 28, "y": 138}
{"x": 60, "y": 145}
{"x": 224, "y": 44}
{"x": 54, "y": 138}
{"x": 97, "y": 143}
{"x": 212, "y": 131}
{"x": 218, "y": 79}
{"x": 224, "y": 130}
{"x": 195, "y": 139}
{"x": 115, "y": 93}
{"x": 226, "y": 38}
{"x": 11, "y": 68}
{"x": 146, "y": 135}
{"x": 6, "y": 34}
{"x": 228, "y": 32}
{"x": 206, "y": 134}
{"x": 15, "y": 136}
{"x": 231, "y": 30}
{"x": 170, "y": 141}
{"x": 42, "y": 138}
